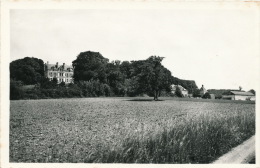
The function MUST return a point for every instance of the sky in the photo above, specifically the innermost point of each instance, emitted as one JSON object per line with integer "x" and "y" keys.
{"x": 217, "y": 48}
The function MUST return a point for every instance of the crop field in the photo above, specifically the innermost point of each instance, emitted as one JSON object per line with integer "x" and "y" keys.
{"x": 124, "y": 130}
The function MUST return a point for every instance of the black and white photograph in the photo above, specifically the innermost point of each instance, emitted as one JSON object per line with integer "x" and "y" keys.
{"x": 135, "y": 83}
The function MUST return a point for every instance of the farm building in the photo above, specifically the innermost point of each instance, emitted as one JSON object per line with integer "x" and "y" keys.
{"x": 63, "y": 72}
{"x": 212, "y": 96}
{"x": 238, "y": 95}
{"x": 183, "y": 90}
{"x": 203, "y": 90}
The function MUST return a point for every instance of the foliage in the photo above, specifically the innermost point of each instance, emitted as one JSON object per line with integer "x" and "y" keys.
{"x": 190, "y": 85}
{"x": 252, "y": 91}
{"x": 206, "y": 96}
{"x": 16, "y": 92}
{"x": 94, "y": 88}
{"x": 110, "y": 130}
{"x": 45, "y": 83}
{"x": 90, "y": 66}
{"x": 116, "y": 78}
{"x": 96, "y": 76}
{"x": 62, "y": 84}
{"x": 178, "y": 92}
{"x": 196, "y": 93}
{"x": 28, "y": 70}
{"x": 152, "y": 76}
{"x": 219, "y": 92}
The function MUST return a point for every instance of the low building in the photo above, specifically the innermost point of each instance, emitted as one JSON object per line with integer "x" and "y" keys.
{"x": 183, "y": 90}
{"x": 212, "y": 96}
{"x": 238, "y": 95}
{"x": 63, "y": 73}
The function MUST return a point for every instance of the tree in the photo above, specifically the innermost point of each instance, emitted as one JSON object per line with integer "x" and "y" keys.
{"x": 125, "y": 69}
{"x": 252, "y": 91}
{"x": 178, "y": 92}
{"x": 196, "y": 93}
{"x": 152, "y": 76}
{"x": 115, "y": 78}
{"x": 90, "y": 66}
{"x": 206, "y": 96}
{"x": 16, "y": 92}
{"x": 28, "y": 70}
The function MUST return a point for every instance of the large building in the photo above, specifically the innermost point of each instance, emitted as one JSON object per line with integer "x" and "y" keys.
{"x": 63, "y": 73}
{"x": 238, "y": 95}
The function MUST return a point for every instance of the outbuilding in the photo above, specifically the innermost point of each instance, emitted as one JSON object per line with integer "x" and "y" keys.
{"x": 238, "y": 95}
{"x": 183, "y": 90}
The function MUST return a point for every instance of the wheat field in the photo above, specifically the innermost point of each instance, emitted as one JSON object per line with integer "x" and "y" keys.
{"x": 120, "y": 130}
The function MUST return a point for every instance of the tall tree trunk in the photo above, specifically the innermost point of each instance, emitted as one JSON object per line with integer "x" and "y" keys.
{"x": 156, "y": 95}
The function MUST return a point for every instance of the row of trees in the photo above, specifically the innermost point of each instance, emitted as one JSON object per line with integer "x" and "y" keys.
{"x": 127, "y": 78}
{"x": 94, "y": 75}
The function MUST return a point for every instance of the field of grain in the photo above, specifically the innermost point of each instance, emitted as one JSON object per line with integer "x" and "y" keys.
{"x": 120, "y": 130}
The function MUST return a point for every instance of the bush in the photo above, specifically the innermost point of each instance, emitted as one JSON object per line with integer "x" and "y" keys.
{"x": 62, "y": 84}
{"x": 206, "y": 96}
{"x": 218, "y": 97}
{"x": 16, "y": 91}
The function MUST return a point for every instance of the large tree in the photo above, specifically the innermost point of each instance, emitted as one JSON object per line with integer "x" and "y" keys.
{"x": 116, "y": 78}
{"x": 28, "y": 70}
{"x": 90, "y": 65}
{"x": 252, "y": 91}
{"x": 152, "y": 76}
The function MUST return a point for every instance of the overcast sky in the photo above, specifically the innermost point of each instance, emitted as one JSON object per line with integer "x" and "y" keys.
{"x": 217, "y": 48}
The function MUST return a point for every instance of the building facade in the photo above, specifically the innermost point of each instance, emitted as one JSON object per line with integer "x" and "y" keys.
{"x": 63, "y": 73}
{"x": 238, "y": 95}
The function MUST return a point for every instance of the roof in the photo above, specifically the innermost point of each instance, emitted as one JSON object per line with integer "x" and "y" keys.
{"x": 203, "y": 89}
{"x": 242, "y": 93}
{"x": 49, "y": 66}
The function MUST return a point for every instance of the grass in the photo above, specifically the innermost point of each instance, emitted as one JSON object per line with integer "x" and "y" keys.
{"x": 108, "y": 130}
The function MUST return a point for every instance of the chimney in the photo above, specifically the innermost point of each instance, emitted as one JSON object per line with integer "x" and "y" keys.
{"x": 57, "y": 64}
{"x": 63, "y": 65}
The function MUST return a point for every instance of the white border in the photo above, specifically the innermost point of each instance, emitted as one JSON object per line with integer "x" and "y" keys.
{"x": 113, "y": 4}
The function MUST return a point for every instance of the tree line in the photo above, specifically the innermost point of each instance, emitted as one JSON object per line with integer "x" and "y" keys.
{"x": 94, "y": 75}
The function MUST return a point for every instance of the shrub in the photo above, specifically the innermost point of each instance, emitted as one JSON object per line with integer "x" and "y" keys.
{"x": 206, "y": 96}
{"x": 16, "y": 91}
